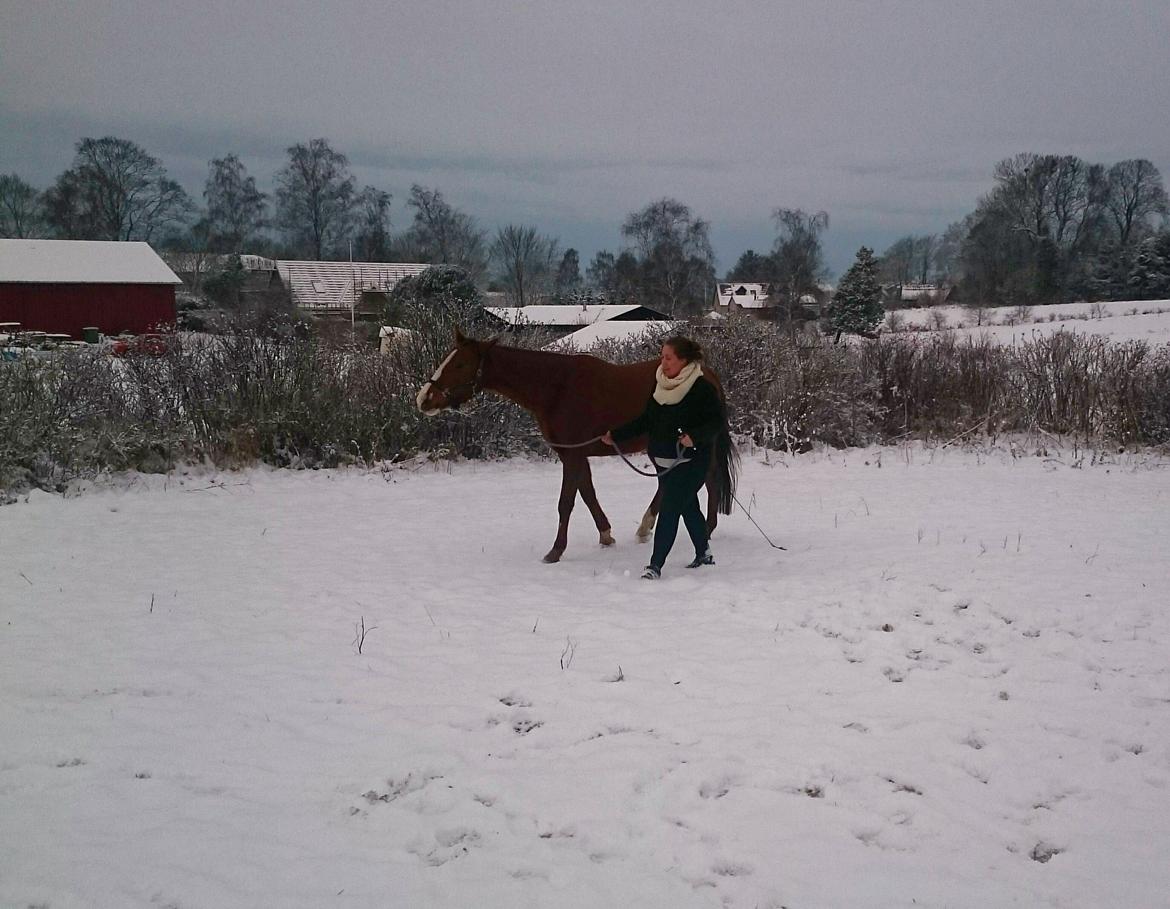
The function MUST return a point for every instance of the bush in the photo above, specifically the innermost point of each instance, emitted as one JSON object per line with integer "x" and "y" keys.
{"x": 299, "y": 402}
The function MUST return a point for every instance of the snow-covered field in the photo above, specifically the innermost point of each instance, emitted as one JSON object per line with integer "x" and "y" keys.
{"x": 1130, "y": 320}
{"x": 953, "y": 690}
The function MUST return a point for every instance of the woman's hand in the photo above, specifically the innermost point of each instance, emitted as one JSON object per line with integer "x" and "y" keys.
{"x": 607, "y": 438}
{"x": 686, "y": 440}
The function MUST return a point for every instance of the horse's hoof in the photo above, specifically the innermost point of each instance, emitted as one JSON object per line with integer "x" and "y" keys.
{"x": 643, "y": 537}
{"x": 607, "y": 538}
{"x": 552, "y": 556}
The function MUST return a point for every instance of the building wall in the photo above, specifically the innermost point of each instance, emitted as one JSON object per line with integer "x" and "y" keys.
{"x": 68, "y": 308}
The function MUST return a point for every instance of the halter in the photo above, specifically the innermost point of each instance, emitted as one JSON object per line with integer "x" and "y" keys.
{"x": 475, "y": 383}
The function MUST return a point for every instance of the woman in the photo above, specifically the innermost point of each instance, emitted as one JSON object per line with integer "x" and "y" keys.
{"x": 682, "y": 419}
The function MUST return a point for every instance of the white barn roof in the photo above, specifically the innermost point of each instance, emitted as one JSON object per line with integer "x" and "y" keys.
{"x": 337, "y": 285}
{"x": 81, "y": 262}
{"x": 584, "y": 339}
{"x": 559, "y": 316}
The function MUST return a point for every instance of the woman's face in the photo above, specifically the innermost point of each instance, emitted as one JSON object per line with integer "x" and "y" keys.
{"x": 672, "y": 363}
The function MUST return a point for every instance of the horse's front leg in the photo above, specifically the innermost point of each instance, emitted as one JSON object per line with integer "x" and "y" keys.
{"x": 589, "y": 497}
{"x": 646, "y": 528}
{"x": 570, "y": 480}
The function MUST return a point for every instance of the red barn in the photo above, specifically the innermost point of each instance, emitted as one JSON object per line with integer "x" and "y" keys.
{"x": 63, "y": 286}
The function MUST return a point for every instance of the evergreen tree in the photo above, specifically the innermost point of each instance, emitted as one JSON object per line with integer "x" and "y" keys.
{"x": 856, "y": 306}
{"x": 1149, "y": 279}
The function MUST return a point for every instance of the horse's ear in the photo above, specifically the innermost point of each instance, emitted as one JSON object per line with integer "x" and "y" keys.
{"x": 491, "y": 342}
{"x": 459, "y": 337}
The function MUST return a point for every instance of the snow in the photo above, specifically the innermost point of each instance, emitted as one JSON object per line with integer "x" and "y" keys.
{"x": 82, "y": 261}
{"x": 1127, "y": 320}
{"x": 559, "y": 315}
{"x": 586, "y": 338}
{"x": 951, "y": 690}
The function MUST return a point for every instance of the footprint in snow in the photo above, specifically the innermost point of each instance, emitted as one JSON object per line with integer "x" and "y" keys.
{"x": 715, "y": 789}
{"x": 726, "y": 868}
{"x": 449, "y": 845}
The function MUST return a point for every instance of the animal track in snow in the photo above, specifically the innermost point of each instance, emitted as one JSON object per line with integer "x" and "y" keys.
{"x": 450, "y": 844}
{"x": 725, "y": 868}
{"x": 412, "y": 782}
{"x": 715, "y": 789}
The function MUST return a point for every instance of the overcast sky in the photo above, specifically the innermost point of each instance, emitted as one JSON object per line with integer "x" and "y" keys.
{"x": 887, "y": 114}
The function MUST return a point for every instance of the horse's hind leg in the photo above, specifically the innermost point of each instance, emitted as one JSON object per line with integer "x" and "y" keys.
{"x": 589, "y": 497}
{"x": 570, "y": 478}
{"x": 646, "y": 528}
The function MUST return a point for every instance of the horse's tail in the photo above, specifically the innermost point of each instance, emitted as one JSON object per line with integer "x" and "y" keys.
{"x": 726, "y": 468}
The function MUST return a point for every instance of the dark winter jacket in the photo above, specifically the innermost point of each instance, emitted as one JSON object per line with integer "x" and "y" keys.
{"x": 699, "y": 415}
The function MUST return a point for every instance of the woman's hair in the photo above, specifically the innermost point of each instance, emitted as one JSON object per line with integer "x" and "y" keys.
{"x": 685, "y": 348}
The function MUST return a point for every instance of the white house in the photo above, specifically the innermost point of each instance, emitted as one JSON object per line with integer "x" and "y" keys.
{"x": 741, "y": 295}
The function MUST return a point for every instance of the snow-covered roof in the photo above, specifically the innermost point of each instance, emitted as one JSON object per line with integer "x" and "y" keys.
{"x": 81, "y": 262}
{"x": 207, "y": 263}
{"x": 337, "y": 285}
{"x": 559, "y": 316}
{"x": 585, "y": 338}
{"x": 917, "y": 291}
{"x": 747, "y": 295}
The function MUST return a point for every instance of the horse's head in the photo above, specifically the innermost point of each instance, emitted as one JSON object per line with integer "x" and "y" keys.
{"x": 458, "y": 377}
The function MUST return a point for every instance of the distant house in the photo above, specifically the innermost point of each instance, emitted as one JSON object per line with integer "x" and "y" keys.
{"x": 901, "y": 296}
{"x": 563, "y": 320}
{"x": 730, "y": 297}
{"x": 338, "y": 287}
{"x": 757, "y": 301}
{"x": 63, "y": 286}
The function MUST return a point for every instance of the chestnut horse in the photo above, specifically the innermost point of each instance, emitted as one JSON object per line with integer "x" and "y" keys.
{"x": 575, "y": 398}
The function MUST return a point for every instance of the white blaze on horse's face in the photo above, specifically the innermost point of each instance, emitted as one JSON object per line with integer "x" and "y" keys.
{"x": 427, "y": 394}
{"x": 455, "y": 381}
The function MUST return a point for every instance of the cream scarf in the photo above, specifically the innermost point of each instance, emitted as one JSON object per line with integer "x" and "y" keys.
{"x": 671, "y": 391}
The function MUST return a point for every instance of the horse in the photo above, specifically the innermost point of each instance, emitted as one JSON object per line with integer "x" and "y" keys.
{"x": 575, "y": 398}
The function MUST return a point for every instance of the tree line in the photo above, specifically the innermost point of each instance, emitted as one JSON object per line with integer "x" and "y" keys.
{"x": 1052, "y": 228}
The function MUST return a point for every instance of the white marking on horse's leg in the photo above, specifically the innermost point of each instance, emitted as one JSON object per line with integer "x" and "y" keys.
{"x": 647, "y": 526}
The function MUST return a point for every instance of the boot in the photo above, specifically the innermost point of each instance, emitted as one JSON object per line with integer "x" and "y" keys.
{"x": 705, "y": 559}
{"x": 652, "y": 573}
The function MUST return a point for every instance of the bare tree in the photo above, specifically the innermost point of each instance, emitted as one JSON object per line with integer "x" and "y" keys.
{"x": 568, "y": 278}
{"x": 441, "y": 234}
{"x": 924, "y": 252}
{"x": 235, "y": 207}
{"x": 676, "y": 262}
{"x": 799, "y": 257}
{"x": 314, "y": 197}
{"x": 1135, "y": 196}
{"x": 115, "y": 191}
{"x": 372, "y": 240}
{"x": 897, "y": 262}
{"x": 20, "y": 208}
{"x": 524, "y": 262}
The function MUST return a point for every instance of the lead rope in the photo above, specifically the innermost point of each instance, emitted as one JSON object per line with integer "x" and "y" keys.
{"x": 678, "y": 458}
